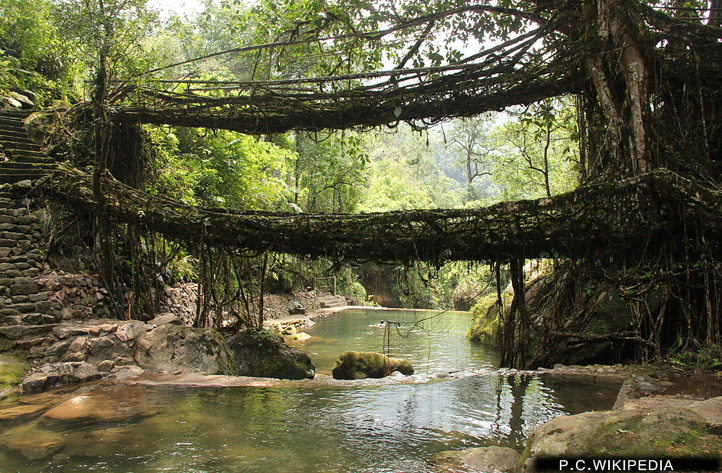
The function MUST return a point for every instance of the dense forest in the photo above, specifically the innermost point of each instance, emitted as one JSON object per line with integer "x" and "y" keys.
{"x": 599, "y": 119}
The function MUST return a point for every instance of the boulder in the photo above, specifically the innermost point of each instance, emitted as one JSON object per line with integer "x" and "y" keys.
{"x": 166, "y": 319}
{"x": 633, "y": 433}
{"x": 61, "y": 374}
{"x": 263, "y": 353}
{"x": 131, "y": 329}
{"x": 32, "y": 443}
{"x": 124, "y": 404}
{"x": 465, "y": 295}
{"x": 178, "y": 348}
{"x": 481, "y": 459}
{"x": 361, "y": 365}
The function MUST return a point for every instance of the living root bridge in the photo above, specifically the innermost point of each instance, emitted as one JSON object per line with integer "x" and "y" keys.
{"x": 631, "y": 217}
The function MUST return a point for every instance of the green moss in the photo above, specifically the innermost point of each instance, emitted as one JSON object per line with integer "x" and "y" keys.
{"x": 646, "y": 433}
{"x": 12, "y": 371}
{"x": 485, "y": 321}
{"x": 641, "y": 435}
{"x": 359, "y": 365}
{"x": 225, "y": 358}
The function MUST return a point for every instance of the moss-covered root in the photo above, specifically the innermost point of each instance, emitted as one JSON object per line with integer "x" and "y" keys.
{"x": 12, "y": 371}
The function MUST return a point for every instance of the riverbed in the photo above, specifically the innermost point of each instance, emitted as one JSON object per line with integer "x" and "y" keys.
{"x": 455, "y": 399}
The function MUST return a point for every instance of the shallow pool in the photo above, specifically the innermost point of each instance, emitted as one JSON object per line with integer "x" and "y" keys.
{"x": 455, "y": 400}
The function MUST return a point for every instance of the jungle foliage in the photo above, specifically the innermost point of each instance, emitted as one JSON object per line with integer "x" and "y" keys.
{"x": 624, "y": 95}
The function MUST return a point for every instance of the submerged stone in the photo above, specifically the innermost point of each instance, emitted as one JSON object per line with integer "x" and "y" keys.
{"x": 116, "y": 405}
{"x": 20, "y": 412}
{"x": 361, "y": 365}
{"x": 481, "y": 459}
{"x": 31, "y": 442}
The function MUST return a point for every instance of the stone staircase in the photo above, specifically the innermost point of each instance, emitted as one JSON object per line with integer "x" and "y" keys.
{"x": 20, "y": 157}
{"x": 329, "y": 302}
{"x": 27, "y": 312}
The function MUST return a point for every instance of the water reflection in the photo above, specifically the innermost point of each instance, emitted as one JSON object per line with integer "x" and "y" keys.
{"x": 372, "y": 428}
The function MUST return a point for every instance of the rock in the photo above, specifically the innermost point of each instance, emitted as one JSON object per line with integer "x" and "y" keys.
{"x": 300, "y": 336}
{"x": 482, "y": 459}
{"x": 122, "y": 404}
{"x": 711, "y": 411}
{"x": 20, "y": 412}
{"x": 647, "y": 387}
{"x": 15, "y": 332}
{"x": 100, "y": 345}
{"x": 263, "y": 353}
{"x": 131, "y": 330}
{"x": 24, "y": 289}
{"x": 38, "y": 382}
{"x": 32, "y": 443}
{"x": 12, "y": 371}
{"x": 173, "y": 348}
{"x": 11, "y": 102}
{"x": 86, "y": 373}
{"x": 634, "y": 433}
{"x": 68, "y": 373}
{"x": 25, "y": 102}
{"x": 166, "y": 319}
{"x": 361, "y": 365}
{"x": 77, "y": 350}
{"x": 105, "y": 366}
{"x": 63, "y": 332}
{"x": 105, "y": 443}
{"x": 465, "y": 295}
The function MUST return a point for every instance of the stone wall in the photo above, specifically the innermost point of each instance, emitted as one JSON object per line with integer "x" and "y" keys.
{"x": 27, "y": 309}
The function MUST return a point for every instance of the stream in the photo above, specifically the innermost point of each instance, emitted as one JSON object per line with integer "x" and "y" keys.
{"x": 454, "y": 400}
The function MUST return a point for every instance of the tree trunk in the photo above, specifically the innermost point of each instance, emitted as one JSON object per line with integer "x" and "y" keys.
{"x": 618, "y": 70}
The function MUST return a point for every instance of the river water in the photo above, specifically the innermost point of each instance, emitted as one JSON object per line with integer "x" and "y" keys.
{"x": 454, "y": 400}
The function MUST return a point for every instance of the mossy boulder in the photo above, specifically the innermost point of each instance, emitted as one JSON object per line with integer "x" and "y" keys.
{"x": 174, "y": 348}
{"x": 263, "y": 353}
{"x": 12, "y": 371}
{"x": 638, "y": 433}
{"x": 361, "y": 365}
{"x": 486, "y": 323}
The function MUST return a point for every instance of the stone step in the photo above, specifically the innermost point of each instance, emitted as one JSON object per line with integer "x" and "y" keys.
{"x": 26, "y": 158}
{"x": 17, "y": 114}
{"x": 28, "y": 165}
{"x": 6, "y": 133}
{"x": 328, "y": 302}
{"x": 11, "y": 125}
{"x": 39, "y": 158}
{"x": 21, "y": 145}
{"x": 14, "y": 148}
{"x": 38, "y": 319}
{"x": 11, "y": 320}
{"x": 11, "y": 176}
{"x": 17, "y": 332}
